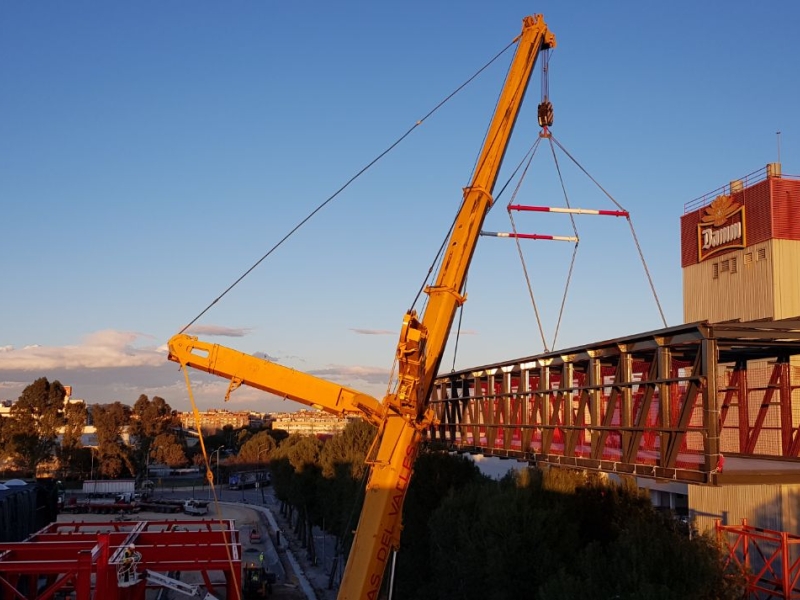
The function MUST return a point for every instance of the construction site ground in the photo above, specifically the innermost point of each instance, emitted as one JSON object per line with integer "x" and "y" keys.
{"x": 297, "y": 578}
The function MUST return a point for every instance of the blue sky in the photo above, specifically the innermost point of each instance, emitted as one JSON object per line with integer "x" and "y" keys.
{"x": 151, "y": 152}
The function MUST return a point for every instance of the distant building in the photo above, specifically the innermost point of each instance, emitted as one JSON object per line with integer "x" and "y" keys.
{"x": 740, "y": 255}
{"x": 309, "y": 422}
{"x": 214, "y": 420}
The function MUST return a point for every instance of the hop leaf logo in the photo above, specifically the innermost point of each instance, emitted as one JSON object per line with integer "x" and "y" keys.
{"x": 719, "y": 211}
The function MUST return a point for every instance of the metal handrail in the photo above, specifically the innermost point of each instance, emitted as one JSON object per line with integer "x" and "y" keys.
{"x": 748, "y": 180}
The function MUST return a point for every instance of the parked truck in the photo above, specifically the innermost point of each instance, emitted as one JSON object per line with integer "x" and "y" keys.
{"x": 109, "y": 487}
{"x": 195, "y": 507}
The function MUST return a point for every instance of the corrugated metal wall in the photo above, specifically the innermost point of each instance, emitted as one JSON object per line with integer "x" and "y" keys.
{"x": 17, "y": 513}
{"x": 737, "y": 284}
{"x": 786, "y": 269}
{"x": 768, "y": 506}
{"x": 786, "y": 208}
{"x": 758, "y": 282}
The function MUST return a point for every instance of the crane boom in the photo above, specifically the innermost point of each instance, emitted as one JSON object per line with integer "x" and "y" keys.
{"x": 267, "y": 376}
{"x": 403, "y": 415}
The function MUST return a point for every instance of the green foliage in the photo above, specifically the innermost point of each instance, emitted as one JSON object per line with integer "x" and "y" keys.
{"x": 257, "y": 449}
{"x": 598, "y": 541}
{"x": 167, "y": 450}
{"x": 69, "y": 453}
{"x": 113, "y": 456}
{"x": 152, "y": 420}
{"x": 34, "y": 421}
{"x": 349, "y": 449}
{"x": 437, "y": 475}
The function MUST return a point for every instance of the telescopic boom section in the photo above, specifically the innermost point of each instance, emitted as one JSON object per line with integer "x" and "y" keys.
{"x": 404, "y": 415}
{"x": 445, "y": 295}
{"x": 244, "y": 369}
{"x": 422, "y": 343}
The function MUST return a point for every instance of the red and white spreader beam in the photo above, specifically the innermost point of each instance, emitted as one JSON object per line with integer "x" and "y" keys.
{"x": 530, "y": 236}
{"x": 574, "y": 211}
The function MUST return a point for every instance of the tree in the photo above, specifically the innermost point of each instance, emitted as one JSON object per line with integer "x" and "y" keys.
{"x": 437, "y": 475}
{"x": 168, "y": 451}
{"x": 256, "y": 450}
{"x": 150, "y": 420}
{"x": 5, "y": 440}
{"x": 113, "y": 456}
{"x": 492, "y": 539}
{"x": 35, "y": 418}
{"x": 348, "y": 448}
{"x": 74, "y": 422}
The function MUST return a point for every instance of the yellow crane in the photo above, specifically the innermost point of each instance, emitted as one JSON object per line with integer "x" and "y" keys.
{"x": 404, "y": 414}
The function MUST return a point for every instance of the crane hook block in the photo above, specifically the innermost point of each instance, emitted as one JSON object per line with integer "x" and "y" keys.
{"x": 545, "y": 113}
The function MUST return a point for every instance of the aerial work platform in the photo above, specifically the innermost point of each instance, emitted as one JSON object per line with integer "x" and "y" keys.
{"x": 85, "y": 560}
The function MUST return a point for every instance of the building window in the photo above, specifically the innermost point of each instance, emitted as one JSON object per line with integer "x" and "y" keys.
{"x": 725, "y": 266}
{"x": 715, "y": 270}
{"x": 734, "y": 267}
{"x": 762, "y": 254}
{"x": 748, "y": 258}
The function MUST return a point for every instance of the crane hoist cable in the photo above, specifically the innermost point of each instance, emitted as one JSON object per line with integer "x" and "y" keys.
{"x": 519, "y": 248}
{"x": 363, "y": 170}
{"x": 499, "y": 195}
{"x": 210, "y": 477}
{"x": 630, "y": 224}
{"x": 517, "y": 236}
{"x": 570, "y": 211}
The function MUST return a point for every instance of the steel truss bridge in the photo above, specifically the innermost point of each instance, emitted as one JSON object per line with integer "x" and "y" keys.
{"x": 667, "y": 404}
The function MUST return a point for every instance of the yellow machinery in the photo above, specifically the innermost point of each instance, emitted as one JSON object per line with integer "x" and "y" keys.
{"x": 403, "y": 414}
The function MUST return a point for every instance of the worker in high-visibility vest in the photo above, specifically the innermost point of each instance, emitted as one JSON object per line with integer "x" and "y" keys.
{"x": 128, "y": 562}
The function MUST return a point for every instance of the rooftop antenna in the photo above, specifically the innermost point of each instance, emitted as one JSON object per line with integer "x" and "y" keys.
{"x": 778, "y": 135}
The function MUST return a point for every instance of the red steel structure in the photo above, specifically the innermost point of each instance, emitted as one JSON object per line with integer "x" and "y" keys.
{"x": 80, "y": 559}
{"x": 769, "y": 559}
{"x": 666, "y": 404}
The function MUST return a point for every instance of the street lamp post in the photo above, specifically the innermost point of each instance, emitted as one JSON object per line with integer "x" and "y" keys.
{"x": 91, "y": 475}
{"x": 216, "y": 475}
{"x": 258, "y": 460}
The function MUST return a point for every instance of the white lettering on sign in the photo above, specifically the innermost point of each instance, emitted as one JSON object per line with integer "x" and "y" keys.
{"x": 717, "y": 237}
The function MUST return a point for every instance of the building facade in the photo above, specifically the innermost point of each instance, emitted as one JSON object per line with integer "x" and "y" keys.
{"x": 740, "y": 257}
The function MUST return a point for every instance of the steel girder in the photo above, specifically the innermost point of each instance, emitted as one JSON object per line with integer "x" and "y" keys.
{"x": 658, "y": 404}
{"x": 68, "y": 556}
{"x": 768, "y": 559}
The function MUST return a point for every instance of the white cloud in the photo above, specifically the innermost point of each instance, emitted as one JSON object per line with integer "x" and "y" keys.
{"x": 219, "y": 330}
{"x": 102, "y": 349}
{"x": 6, "y": 348}
{"x": 109, "y": 366}
{"x": 351, "y": 376}
{"x": 372, "y": 331}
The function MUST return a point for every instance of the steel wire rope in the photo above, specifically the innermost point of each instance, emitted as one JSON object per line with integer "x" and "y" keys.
{"x": 436, "y": 263}
{"x": 630, "y": 224}
{"x": 500, "y": 194}
{"x": 531, "y": 154}
{"x": 348, "y": 182}
{"x": 306, "y": 219}
{"x": 574, "y": 249}
{"x": 210, "y": 477}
